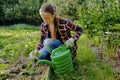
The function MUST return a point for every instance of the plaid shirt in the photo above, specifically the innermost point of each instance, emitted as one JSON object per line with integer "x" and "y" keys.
{"x": 64, "y": 28}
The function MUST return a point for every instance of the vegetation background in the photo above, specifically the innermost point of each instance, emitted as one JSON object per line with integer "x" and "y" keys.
{"x": 99, "y": 46}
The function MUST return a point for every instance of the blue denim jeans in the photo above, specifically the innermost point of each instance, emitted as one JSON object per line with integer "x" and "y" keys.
{"x": 49, "y": 45}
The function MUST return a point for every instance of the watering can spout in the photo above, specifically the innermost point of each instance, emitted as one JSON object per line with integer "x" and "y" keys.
{"x": 46, "y": 62}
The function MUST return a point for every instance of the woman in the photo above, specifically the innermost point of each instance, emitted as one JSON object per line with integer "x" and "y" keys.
{"x": 55, "y": 31}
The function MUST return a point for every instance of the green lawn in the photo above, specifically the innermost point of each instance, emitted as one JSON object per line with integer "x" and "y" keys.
{"x": 20, "y": 39}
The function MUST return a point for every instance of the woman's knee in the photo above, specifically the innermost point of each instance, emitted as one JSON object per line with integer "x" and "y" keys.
{"x": 50, "y": 44}
{"x": 44, "y": 54}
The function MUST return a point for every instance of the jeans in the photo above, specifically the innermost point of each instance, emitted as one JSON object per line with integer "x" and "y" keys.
{"x": 49, "y": 45}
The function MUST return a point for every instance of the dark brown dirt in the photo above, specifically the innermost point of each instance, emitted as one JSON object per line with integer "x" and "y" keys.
{"x": 24, "y": 69}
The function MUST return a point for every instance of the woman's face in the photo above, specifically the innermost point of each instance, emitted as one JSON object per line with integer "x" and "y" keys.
{"x": 47, "y": 17}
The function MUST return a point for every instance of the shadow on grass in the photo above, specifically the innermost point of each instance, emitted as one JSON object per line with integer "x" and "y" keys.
{"x": 4, "y": 37}
{"x": 21, "y": 27}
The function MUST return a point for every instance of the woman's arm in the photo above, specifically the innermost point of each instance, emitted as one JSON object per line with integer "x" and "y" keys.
{"x": 42, "y": 37}
{"x": 75, "y": 28}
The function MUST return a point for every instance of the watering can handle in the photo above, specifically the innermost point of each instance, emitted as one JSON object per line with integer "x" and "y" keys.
{"x": 59, "y": 48}
{"x": 62, "y": 45}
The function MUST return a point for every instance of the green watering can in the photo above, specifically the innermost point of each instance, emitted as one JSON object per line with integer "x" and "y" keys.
{"x": 61, "y": 60}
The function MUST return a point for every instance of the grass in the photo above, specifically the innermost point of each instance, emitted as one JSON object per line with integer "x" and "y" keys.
{"x": 86, "y": 65}
{"x": 20, "y": 39}
{"x": 3, "y": 66}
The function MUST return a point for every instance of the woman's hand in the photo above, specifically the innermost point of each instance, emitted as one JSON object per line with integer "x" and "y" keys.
{"x": 33, "y": 54}
{"x": 69, "y": 43}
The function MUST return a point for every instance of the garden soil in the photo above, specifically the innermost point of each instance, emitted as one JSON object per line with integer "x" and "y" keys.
{"x": 24, "y": 69}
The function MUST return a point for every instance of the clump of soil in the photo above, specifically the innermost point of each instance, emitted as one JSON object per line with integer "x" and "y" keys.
{"x": 24, "y": 69}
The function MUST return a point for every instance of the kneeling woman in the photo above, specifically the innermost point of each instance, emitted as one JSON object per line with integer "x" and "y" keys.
{"x": 55, "y": 31}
